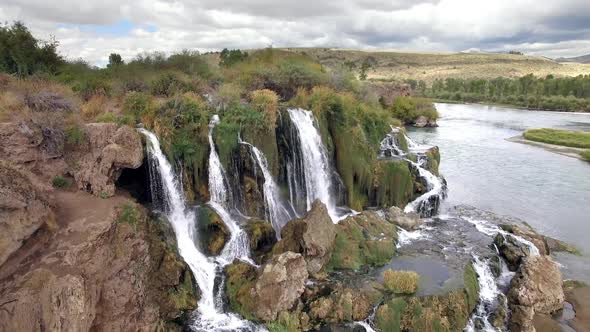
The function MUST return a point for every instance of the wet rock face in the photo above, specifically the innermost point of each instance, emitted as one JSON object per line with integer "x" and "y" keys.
{"x": 511, "y": 250}
{"x": 407, "y": 221}
{"x": 312, "y": 236}
{"x": 23, "y": 209}
{"x": 279, "y": 285}
{"x": 108, "y": 149}
{"x": 535, "y": 289}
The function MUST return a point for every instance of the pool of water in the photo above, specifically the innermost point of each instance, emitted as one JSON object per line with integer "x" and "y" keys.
{"x": 549, "y": 191}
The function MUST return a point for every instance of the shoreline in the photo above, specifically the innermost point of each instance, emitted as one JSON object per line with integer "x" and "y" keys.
{"x": 442, "y": 101}
{"x": 559, "y": 149}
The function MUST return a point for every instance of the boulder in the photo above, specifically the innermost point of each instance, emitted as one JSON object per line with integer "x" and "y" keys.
{"x": 279, "y": 285}
{"x": 261, "y": 235}
{"x": 363, "y": 240}
{"x": 423, "y": 121}
{"x": 535, "y": 289}
{"x": 528, "y": 234}
{"x": 213, "y": 233}
{"x": 107, "y": 151}
{"x": 343, "y": 304}
{"x": 512, "y": 250}
{"x": 312, "y": 236}
{"x": 407, "y": 221}
{"x": 23, "y": 209}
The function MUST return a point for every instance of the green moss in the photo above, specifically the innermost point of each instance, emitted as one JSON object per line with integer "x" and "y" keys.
{"x": 286, "y": 322}
{"x": 471, "y": 286}
{"x": 239, "y": 282}
{"x": 393, "y": 184}
{"x": 574, "y": 284}
{"x": 213, "y": 233}
{"x": 128, "y": 214}
{"x": 388, "y": 317}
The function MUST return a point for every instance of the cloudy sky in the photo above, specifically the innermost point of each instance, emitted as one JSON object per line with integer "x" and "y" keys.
{"x": 93, "y": 29}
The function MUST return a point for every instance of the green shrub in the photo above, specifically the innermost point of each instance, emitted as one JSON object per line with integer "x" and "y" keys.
{"x": 75, "y": 135}
{"x": 60, "y": 182}
{"x": 266, "y": 102}
{"x": 167, "y": 85}
{"x": 137, "y": 105}
{"x": 128, "y": 214}
{"x": 401, "y": 282}
{"x": 87, "y": 87}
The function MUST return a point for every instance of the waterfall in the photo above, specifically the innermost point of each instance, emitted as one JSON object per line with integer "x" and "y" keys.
{"x": 315, "y": 162}
{"x": 428, "y": 203}
{"x": 275, "y": 209}
{"x": 209, "y": 312}
{"x": 488, "y": 294}
{"x": 238, "y": 245}
{"x": 491, "y": 230}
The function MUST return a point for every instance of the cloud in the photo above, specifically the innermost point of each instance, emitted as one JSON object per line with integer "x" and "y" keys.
{"x": 92, "y": 30}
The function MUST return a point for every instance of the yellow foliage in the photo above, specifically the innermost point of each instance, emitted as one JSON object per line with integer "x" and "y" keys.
{"x": 401, "y": 282}
{"x": 267, "y": 102}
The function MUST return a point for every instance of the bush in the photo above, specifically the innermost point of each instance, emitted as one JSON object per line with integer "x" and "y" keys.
{"x": 75, "y": 135}
{"x": 166, "y": 85}
{"x": 87, "y": 87}
{"x": 401, "y": 282}
{"x": 95, "y": 106}
{"x": 137, "y": 105}
{"x": 266, "y": 102}
{"x": 60, "y": 182}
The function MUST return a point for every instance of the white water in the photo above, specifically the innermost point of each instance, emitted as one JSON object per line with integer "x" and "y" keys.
{"x": 275, "y": 209}
{"x": 238, "y": 245}
{"x": 209, "y": 312}
{"x": 491, "y": 230}
{"x": 427, "y": 203}
{"x": 488, "y": 293}
{"x": 405, "y": 237}
{"x": 316, "y": 164}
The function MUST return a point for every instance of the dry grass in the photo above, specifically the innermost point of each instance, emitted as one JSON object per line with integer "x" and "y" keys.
{"x": 430, "y": 66}
{"x": 401, "y": 282}
{"x": 267, "y": 102}
{"x": 93, "y": 107}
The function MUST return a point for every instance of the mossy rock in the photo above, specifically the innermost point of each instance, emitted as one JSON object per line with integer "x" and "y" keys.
{"x": 262, "y": 236}
{"x": 447, "y": 312}
{"x": 433, "y": 155}
{"x": 363, "y": 240}
{"x": 240, "y": 279}
{"x": 213, "y": 234}
{"x": 393, "y": 184}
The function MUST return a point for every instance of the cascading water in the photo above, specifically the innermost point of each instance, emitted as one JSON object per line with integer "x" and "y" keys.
{"x": 238, "y": 244}
{"x": 428, "y": 203}
{"x": 315, "y": 162}
{"x": 275, "y": 209}
{"x": 210, "y": 316}
{"x": 488, "y": 297}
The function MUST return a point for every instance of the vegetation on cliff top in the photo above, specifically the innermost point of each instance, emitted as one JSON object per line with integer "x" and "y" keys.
{"x": 569, "y": 138}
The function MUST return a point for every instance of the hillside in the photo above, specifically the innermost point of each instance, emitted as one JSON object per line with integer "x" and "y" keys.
{"x": 578, "y": 59}
{"x": 388, "y": 65}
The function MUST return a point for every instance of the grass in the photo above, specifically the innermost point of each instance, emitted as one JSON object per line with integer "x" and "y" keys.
{"x": 387, "y": 65}
{"x": 585, "y": 155}
{"x": 559, "y": 137}
{"x": 401, "y": 282}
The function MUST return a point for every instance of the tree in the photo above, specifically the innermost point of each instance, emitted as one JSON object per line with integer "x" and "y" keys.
{"x": 230, "y": 57}
{"x": 114, "y": 60}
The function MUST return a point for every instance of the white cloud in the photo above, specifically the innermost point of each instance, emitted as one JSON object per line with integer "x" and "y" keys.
{"x": 544, "y": 27}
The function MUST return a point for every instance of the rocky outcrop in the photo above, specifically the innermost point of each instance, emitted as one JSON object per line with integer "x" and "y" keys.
{"x": 512, "y": 250}
{"x": 407, "y": 221}
{"x": 363, "y": 240}
{"x": 423, "y": 121}
{"x": 23, "y": 209}
{"x": 312, "y": 236}
{"x": 343, "y": 304}
{"x": 535, "y": 289}
{"x": 264, "y": 293}
{"x": 108, "y": 268}
{"x": 213, "y": 234}
{"x": 279, "y": 285}
{"x": 528, "y": 234}
{"x": 106, "y": 151}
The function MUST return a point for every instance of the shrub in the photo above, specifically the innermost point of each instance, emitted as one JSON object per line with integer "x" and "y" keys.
{"x": 93, "y": 107}
{"x": 75, "y": 135}
{"x": 137, "y": 105}
{"x": 166, "y": 85}
{"x": 87, "y": 87}
{"x": 60, "y": 182}
{"x": 266, "y": 102}
{"x": 228, "y": 95}
{"x": 128, "y": 214}
{"x": 401, "y": 282}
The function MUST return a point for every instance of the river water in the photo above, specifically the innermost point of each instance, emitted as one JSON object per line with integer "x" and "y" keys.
{"x": 483, "y": 169}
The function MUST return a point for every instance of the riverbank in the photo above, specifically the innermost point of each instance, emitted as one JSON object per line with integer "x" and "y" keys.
{"x": 559, "y": 149}
{"x": 513, "y": 106}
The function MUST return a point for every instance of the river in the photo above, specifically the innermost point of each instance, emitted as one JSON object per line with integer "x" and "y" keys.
{"x": 483, "y": 169}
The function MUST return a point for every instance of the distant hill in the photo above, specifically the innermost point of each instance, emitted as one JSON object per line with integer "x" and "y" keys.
{"x": 393, "y": 65}
{"x": 578, "y": 59}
